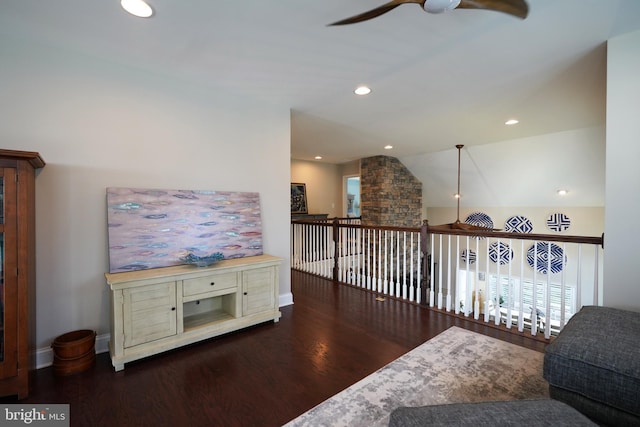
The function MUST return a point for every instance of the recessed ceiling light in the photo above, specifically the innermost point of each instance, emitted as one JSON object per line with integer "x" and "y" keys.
{"x": 511, "y": 122}
{"x": 362, "y": 90}
{"x": 388, "y": 147}
{"x": 318, "y": 157}
{"x": 137, "y": 8}
{"x": 563, "y": 192}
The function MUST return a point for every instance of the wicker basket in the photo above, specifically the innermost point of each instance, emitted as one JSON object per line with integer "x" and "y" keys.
{"x": 74, "y": 352}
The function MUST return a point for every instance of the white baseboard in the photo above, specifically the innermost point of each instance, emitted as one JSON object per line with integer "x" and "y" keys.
{"x": 285, "y": 299}
{"x": 44, "y": 356}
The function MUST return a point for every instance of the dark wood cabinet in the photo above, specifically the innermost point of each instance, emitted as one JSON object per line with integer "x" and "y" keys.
{"x": 17, "y": 269}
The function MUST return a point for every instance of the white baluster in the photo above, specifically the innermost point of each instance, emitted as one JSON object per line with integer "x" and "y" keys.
{"x": 374, "y": 264}
{"x": 498, "y": 313}
{"x": 521, "y": 305}
{"x": 457, "y": 291}
{"x": 392, "y": 290}
{"x": 432, "y": 283}
{"x": 467, "y": 292}
{"x": 596, "y": 278}
{"x": 386, "y": 262}
{"x": 547, "y": 297}
{"x": 440, "y": 277}
{"x": 534, "y": 290}
{"x": 343, "y": 256}
{"x": 367, "y": 259}
{"x": 307, "y": 245}
{"x": 448, "y": 307}
{"x": 509, "y": 290}
{"x": 380, "y": 261}
{"x": 316, "y": 252}
{"x": 411, "y": 285}
{"x": 398, "y": 280}
{"x": 419, "y": 262}
{"x": 404, "y": 265}
{"x": 476, "y": 305}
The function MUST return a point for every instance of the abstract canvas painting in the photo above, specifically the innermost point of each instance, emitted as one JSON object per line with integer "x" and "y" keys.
{"x": 151, "y": 228}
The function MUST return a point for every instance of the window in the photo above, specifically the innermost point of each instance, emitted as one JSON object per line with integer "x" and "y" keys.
{"x": 509, "y": 294}
{"x": 510, "y": 289}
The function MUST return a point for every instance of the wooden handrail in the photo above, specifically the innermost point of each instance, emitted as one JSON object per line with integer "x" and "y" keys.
{"x": 335, "y": 222}
{"x": 592, "y": 240}
{"x": 425, "y": 229}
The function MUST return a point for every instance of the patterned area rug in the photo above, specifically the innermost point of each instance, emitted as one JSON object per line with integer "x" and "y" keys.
{"x": 455, "y": 366}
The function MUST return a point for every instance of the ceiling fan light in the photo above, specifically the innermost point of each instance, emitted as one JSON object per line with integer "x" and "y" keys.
{"x": 439, "y": 6}
{"x": 137, "y": 8}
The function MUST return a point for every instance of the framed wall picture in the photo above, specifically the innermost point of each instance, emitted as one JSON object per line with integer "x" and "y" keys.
{"x": 299, "y": 198}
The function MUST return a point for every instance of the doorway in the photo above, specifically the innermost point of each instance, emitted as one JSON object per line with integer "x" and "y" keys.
{"x": 352, "y": 196}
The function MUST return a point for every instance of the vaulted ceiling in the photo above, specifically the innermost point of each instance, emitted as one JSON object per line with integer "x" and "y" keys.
{"x": 436, "y": 80}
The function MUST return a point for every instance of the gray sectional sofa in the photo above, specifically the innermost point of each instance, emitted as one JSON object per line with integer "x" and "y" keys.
{"x": 593, "y": 370}
{"x": 516, "y": 413}
{"x": 594, "y": 365}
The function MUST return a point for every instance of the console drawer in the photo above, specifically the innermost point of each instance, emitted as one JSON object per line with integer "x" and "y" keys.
{"x": 209, "y": 284}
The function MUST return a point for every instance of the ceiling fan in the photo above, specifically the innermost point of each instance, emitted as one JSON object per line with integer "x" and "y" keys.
{"x": 517, "y": 8}
{"x": 458, "y": 225}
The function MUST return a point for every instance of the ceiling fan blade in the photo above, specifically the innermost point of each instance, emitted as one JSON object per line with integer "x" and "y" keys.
{"x": 457, "y": 225}
{"x": 518, "y": 8}
{"x": 373, "y": 13}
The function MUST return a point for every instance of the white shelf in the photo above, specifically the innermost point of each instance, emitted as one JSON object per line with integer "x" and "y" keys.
{"x": 206, "y": 319}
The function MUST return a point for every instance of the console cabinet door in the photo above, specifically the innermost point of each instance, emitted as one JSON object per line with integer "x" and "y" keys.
{"x": 258, "y": 290}
{"x": 149, "y": 313}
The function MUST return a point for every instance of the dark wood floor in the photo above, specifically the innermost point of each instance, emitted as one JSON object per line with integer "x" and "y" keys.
{"x": 333, "y": 336}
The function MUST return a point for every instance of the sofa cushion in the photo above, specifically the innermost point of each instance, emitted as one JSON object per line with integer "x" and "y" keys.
{"x": 542, "y": 412}
{"x": 597, "y": 355}
{"x": 602, "y": 414}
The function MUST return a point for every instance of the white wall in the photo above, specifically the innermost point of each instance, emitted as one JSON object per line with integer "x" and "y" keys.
{"x": 96, "y": 125}
{"x": 585, "y": 221}
{"x": 518, "y": 172}
{"x": 622, "y": 229}
{"x": 324, "y": 186}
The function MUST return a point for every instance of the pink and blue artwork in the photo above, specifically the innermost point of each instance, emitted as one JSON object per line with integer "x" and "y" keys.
{"x": 153, "y": 228}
